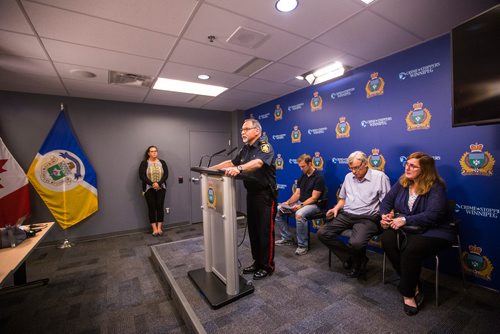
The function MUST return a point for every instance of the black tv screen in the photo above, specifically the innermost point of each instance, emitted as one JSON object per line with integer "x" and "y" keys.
{"x": 476, "y": 70}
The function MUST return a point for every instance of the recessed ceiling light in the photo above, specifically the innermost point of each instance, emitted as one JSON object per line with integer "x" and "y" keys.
{"x": 299, "y": 77}
{"x": 367, "y": 1}
{"x": 82, "y": 73}
{"x": 286, "y": 6}
{"x": 203, "y": 77}
{"x": 180, "y": 86}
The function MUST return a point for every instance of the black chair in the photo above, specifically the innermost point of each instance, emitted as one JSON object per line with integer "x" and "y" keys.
{"x": 455, "y": 224}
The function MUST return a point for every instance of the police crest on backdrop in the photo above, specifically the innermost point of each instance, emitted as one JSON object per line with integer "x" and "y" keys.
{"x": 476, "y": 264}
{"x": 278, "y": 113}
{"x": 419, "y": 118}
{"x": 316, "y": 102}
{"x": 264, "y": 137}
{"x": 376, "y": 160}
{"x": 374, "y": 86}
{"x": 477, "y": 162}
{"x": 279, "y": 163}
{"x": 343, "y": 128}
{"x": 296, "y": 134}
{"x": 317, "y": 161}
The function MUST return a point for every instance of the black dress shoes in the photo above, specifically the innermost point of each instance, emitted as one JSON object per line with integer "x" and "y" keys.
{"x": 261, "y": 273}
{"x": 358, "y": 270}
{"x": 250, "y": 269}
{"x": 410, "y": 310}
{"x": 347, "y": 264}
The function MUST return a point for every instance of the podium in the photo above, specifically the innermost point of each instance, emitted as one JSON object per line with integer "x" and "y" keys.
{"x": 219, "y": 281}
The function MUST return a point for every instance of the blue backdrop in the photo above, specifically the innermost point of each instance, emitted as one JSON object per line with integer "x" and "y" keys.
{"x": 389, "y": 109}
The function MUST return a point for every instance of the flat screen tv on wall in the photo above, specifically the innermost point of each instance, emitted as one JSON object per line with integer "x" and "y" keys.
{"x": 476, "y": 70}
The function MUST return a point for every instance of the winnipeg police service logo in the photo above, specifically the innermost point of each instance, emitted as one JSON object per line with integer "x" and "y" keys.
{"x": 60, "y": 170}
{"x": 265, "y": 148}
{"x": 278, "y": 113}
{"x": 211, "y": 196}
{"x": 374, "y": 86}
{"x": 296, "y": 134}
{"x": 476, "y": 264}
{"x": 279, "y": 163}
{"x": 376, "y": 160}
{"x": 343, "y": 128}
{"x": 295, "y": 185}
{"x": 316, "y": 102}
{"x": 317, "y": 161}
{"x": 419, "y": 118}
{"x": 477, "y": 162}
{"x": 264, "y": 137}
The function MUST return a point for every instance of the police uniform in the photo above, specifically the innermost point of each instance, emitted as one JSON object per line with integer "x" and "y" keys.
{"x": 261, "y": 201}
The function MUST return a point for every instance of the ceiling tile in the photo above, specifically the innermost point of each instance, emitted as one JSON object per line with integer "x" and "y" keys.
{"x": 93, "y": 57}
{"x": 166, "y": 16}
{"x": 64, "y": 71}
{"x": 190, "y": 73}
{"x": 34, "y": 66}
{"x": 245, "y": 96}
{"x": 21, "y": 45}
{"x": 68, "y": 26}
{"x": 311, "y": 56}
{"x": 360, "y": 37}
{"x": 279, "y": 72}
{"x": 94, "y": 90}
{"x": 29, "y": 83}
{"x": 12, "y": 18}
{"x": 310, "y": 19}
{"x": 197, "y": 54}
{"x": 277, "y": 44}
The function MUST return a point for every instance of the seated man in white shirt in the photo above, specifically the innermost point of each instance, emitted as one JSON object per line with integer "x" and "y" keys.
{"x": 357, "y": 210}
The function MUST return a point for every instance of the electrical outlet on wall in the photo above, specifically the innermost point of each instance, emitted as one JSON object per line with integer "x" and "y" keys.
{"x": 167, "y": 210}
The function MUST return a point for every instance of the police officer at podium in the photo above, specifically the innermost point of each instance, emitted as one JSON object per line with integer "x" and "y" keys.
{"x": 255, "y": 162}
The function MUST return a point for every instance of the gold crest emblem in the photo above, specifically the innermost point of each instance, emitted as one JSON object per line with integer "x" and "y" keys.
{"x": 265, "y": 148}
{"x": 476, "y": 264}
{"x": 279, "y": 163}
{"x": 376, "y": 160}
{"x": 316, "y": 102}
{"x": 374, "y": 86}
{"x": 477, "y": 162}
{"x": 317, "y": 161}
{"x": 419, "y": 118}
{"x": 278, "y": 113}
{"x": 296, "y": 134}
{"x": 343, "y": 128}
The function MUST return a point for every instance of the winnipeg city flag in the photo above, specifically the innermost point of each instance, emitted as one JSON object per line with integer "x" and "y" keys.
{"x": 63, "y": 176}
{"x": 14, "y": 192}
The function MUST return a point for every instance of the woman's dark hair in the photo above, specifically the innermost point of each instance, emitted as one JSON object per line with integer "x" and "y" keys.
{"x": 428, "y": 173}
{"x": 146, "y": 155}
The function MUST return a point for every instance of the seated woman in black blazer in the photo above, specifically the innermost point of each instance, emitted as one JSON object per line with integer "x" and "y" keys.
{"x": 418, "y": 201}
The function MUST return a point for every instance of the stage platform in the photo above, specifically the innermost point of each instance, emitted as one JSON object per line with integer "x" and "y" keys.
{"x": 305, "y": 296}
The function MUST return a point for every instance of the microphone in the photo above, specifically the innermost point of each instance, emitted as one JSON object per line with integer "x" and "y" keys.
{"x": 201, "y": 159}
{"x": 232, "y": 150}
{"x": 213, "y": 155}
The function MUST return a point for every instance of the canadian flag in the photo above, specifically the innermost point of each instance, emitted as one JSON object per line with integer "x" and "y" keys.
{"x": 14, "y": 193}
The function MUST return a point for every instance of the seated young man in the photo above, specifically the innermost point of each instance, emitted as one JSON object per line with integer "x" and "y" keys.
{"x": 303, "y": 203}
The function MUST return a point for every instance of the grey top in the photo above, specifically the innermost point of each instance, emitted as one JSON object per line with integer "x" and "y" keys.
{"x": 364, "y": 197}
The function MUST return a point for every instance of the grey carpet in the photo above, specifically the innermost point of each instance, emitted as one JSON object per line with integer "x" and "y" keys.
{"x": 305, "y": 296}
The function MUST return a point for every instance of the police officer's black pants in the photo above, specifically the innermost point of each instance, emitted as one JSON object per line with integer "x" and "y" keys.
{"x": 261, "y": 211}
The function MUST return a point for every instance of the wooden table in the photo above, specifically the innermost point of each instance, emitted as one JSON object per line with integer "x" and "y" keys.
{"x": 13, "y": 260}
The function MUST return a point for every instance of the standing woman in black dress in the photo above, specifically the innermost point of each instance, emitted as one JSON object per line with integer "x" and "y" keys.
{"x": 153, "y": 173}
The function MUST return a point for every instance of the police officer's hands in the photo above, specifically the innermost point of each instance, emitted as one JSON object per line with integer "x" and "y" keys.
{"x": 231, "y": 171}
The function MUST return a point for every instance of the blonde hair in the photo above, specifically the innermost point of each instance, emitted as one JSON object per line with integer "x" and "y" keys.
{"x": 428, "y": 174}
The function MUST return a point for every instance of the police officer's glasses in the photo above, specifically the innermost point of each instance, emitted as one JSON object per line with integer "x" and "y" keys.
{"x": 246, "y": 129}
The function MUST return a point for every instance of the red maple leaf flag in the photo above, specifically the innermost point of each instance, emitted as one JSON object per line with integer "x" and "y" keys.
{"x": 14, "y": 193}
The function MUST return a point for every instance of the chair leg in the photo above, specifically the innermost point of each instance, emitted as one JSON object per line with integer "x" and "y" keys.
{"x": 437, "y": 280}
{"x": 459, "y": 248}
{"x": 383, "y": 268}
{"x": 308, "y": 235}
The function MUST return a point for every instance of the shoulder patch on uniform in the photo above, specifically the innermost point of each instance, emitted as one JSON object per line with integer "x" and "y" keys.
{"x": 265, "y": 148}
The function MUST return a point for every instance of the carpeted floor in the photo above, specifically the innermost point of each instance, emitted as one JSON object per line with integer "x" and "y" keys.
{"x": 110, "y": 286}
{"x": 305, "y": 296}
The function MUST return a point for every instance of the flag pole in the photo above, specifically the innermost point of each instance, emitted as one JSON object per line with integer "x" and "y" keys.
{"x": 66, "y": 243}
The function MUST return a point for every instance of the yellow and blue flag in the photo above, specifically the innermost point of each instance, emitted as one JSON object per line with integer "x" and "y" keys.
{"x": 63, "y": 177}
